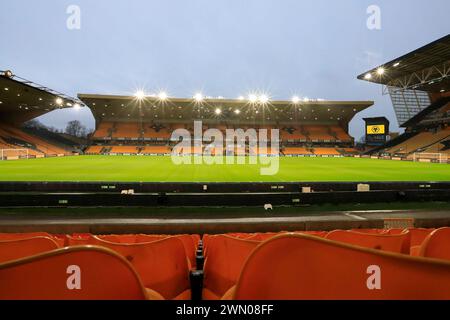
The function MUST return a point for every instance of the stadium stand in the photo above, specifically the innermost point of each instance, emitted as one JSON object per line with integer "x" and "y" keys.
{"x": 104, "y": 130}
{"x": 126, "y": 130}
{"x": 326, "y": 151}
{"x": 422, "y": 106}
{"x": 313, "y": 126}
{"x": 23, "y": 100}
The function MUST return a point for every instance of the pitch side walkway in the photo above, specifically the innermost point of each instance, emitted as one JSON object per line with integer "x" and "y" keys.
{"x": 318, "y": 221}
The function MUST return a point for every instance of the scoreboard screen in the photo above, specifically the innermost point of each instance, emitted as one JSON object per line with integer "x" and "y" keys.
{"x": 375, "y": 129}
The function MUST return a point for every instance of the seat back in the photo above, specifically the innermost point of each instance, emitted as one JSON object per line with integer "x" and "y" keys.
{"x": 161, "y": 264}
{"x": 296, "y": 267}
{"x": 224, "y": 261}
{"x": 83, "y": 272}
{"x": 437, "y": 245}
{"x": 16, "y": 249}
{"x": 395, "y": 243}
{"x": 418, "y": 235}
{"x": 17, "y": 236}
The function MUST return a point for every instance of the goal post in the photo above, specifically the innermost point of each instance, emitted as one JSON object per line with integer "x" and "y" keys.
{"x": 6, "y": 154}
{"x": 428, "y": 156}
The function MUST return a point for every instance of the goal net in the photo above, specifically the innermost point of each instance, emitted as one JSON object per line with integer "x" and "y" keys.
{"x": 6, "y": 154}
{"x": 435, "y": 157}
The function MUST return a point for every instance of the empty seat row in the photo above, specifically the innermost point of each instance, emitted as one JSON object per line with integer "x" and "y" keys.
{"x": 352, "y": 264}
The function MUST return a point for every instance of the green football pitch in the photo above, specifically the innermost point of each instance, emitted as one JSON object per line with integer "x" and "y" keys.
{"x": 162, "y": 169}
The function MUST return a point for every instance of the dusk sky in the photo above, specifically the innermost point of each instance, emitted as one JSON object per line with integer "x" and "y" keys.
{"x": 220, "y": 47}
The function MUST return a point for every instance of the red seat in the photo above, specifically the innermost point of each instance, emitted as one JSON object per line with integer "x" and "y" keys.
{"x": 437, "y": 245}
{"x": 16, "y": 249}
{"x": 84, "y": 272}
{"x": 296, "y": 267}
{"x": 395, "y": 243}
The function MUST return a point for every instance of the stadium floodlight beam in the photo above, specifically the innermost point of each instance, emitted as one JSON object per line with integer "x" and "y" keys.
{"x": 295, "y": 99}
{"x": 252, "y": 98}
{"x": 380, "y": 71}
{"x": 241, "y": 98}
{"x": 218, "y": 111}
{"x": 263, "y": 98}
{"x": 368, "y": 76}
{"x": 76, "y": 106}
{"x": 139, "y": 94}
{"x": 237, "y": 111}
{"x": 59, "y": 101}
{"x": 198, "y": 97}
{"x": 162, "y": 96}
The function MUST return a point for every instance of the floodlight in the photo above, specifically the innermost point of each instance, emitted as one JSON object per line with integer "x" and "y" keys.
{"x": 380, "y": 71}
{"x": 295, "y": 99}
{"x": 252, "y": 98}
{"x": 162, "y": 95}
{"x": 139, "y": 94}
{"x": 263, "y": 98}
{"x": 198, "y": 97}
{"x": 218, "y": 111}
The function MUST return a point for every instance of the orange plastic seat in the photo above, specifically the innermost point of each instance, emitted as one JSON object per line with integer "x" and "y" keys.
{"x": 59, "y": 239}
{"x": 223, "y": 263}
{"x": 17, "y": 236}
{"x": 161, "y": 264}
{"x": 296, "y": 267}
{"x": 71, "y": 273}
{"x": 437, "y": 244}
{"x": 16, "y": 249}
{"x": 395, "y": 243}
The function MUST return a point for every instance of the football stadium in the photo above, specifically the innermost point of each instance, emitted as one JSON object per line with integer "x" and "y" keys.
{"x": 202, "y": 198}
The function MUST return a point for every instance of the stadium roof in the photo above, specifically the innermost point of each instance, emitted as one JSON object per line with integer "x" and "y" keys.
{"x": 424, "y": 113}
{"x": 22, "y": 100}
{"x": 153, "y": 108}
{"x": 426, "y": 69}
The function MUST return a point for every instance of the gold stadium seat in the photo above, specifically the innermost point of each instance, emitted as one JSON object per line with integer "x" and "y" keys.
{"x": 302, "y": 267}
{"x": 71, "y": 273}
